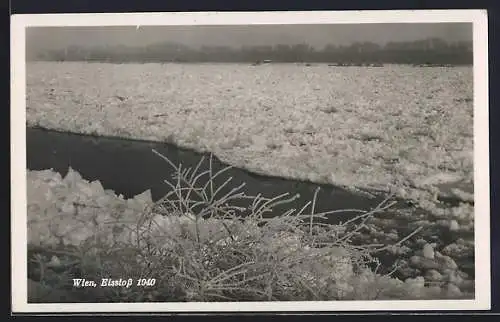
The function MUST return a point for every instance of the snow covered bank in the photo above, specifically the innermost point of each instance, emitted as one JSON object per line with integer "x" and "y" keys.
{"x": 83, "y": 215}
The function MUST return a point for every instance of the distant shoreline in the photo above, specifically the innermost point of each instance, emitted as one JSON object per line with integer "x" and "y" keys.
{"x": 432, "y": 51}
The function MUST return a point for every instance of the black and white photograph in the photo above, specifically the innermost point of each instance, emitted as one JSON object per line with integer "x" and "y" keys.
{"x": 330, "y": 161}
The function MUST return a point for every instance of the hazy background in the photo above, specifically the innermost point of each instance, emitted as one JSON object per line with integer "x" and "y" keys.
{"x": 317, "y": 36}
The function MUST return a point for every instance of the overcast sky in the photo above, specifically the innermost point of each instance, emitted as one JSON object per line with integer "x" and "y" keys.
{"x": 41, "y": 38}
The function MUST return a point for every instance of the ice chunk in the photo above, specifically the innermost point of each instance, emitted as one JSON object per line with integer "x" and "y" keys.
{"x": 428, "y": 251}
{"x": 454, "y": 226}
{"x": 415, "y": 283}
{"x": 103, "y": 200}
{"x": 44, "y": 175}
{"x": 97, "y": 188}
{"x": 458, "y": 250}
{"x": 68, "y": 208}
{"x": 54, "y": 262}
{"x": 48, "y": 195}
{"x": 84, "y": 189}
{"x": 453, "y": 291}
{"x": 110, "y": 192}
{"x": 77, "y": 236}
{"x": 37, "y": 195}
{"x": 144, "y": 198}
{"x": 446, "y": 262}
{"x": 463, "y": 195}
{"x": 439, "y": 178}
{"x": 72, "y": 177}
{"x": 434, "y": 275}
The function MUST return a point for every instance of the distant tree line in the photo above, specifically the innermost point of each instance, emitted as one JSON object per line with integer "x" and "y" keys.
{"x": 427, "y": 51}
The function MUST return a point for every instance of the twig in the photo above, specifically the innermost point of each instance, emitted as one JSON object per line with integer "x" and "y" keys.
{"x": 312, "y": 211}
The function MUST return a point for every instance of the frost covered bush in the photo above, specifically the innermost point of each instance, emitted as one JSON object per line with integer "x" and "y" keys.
{"x": 198, "y": 246}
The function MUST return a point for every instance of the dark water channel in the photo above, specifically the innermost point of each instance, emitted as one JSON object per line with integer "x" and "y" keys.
{"x": 129, "y": 167}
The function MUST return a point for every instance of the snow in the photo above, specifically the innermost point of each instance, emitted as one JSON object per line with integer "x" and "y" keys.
{"x": 101, "y": 215}
{"x": 395, "y": 128}
{"x": 428, "y": 251}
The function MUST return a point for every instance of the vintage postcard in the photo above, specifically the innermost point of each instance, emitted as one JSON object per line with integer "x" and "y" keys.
{"x": 250, "y": 161}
